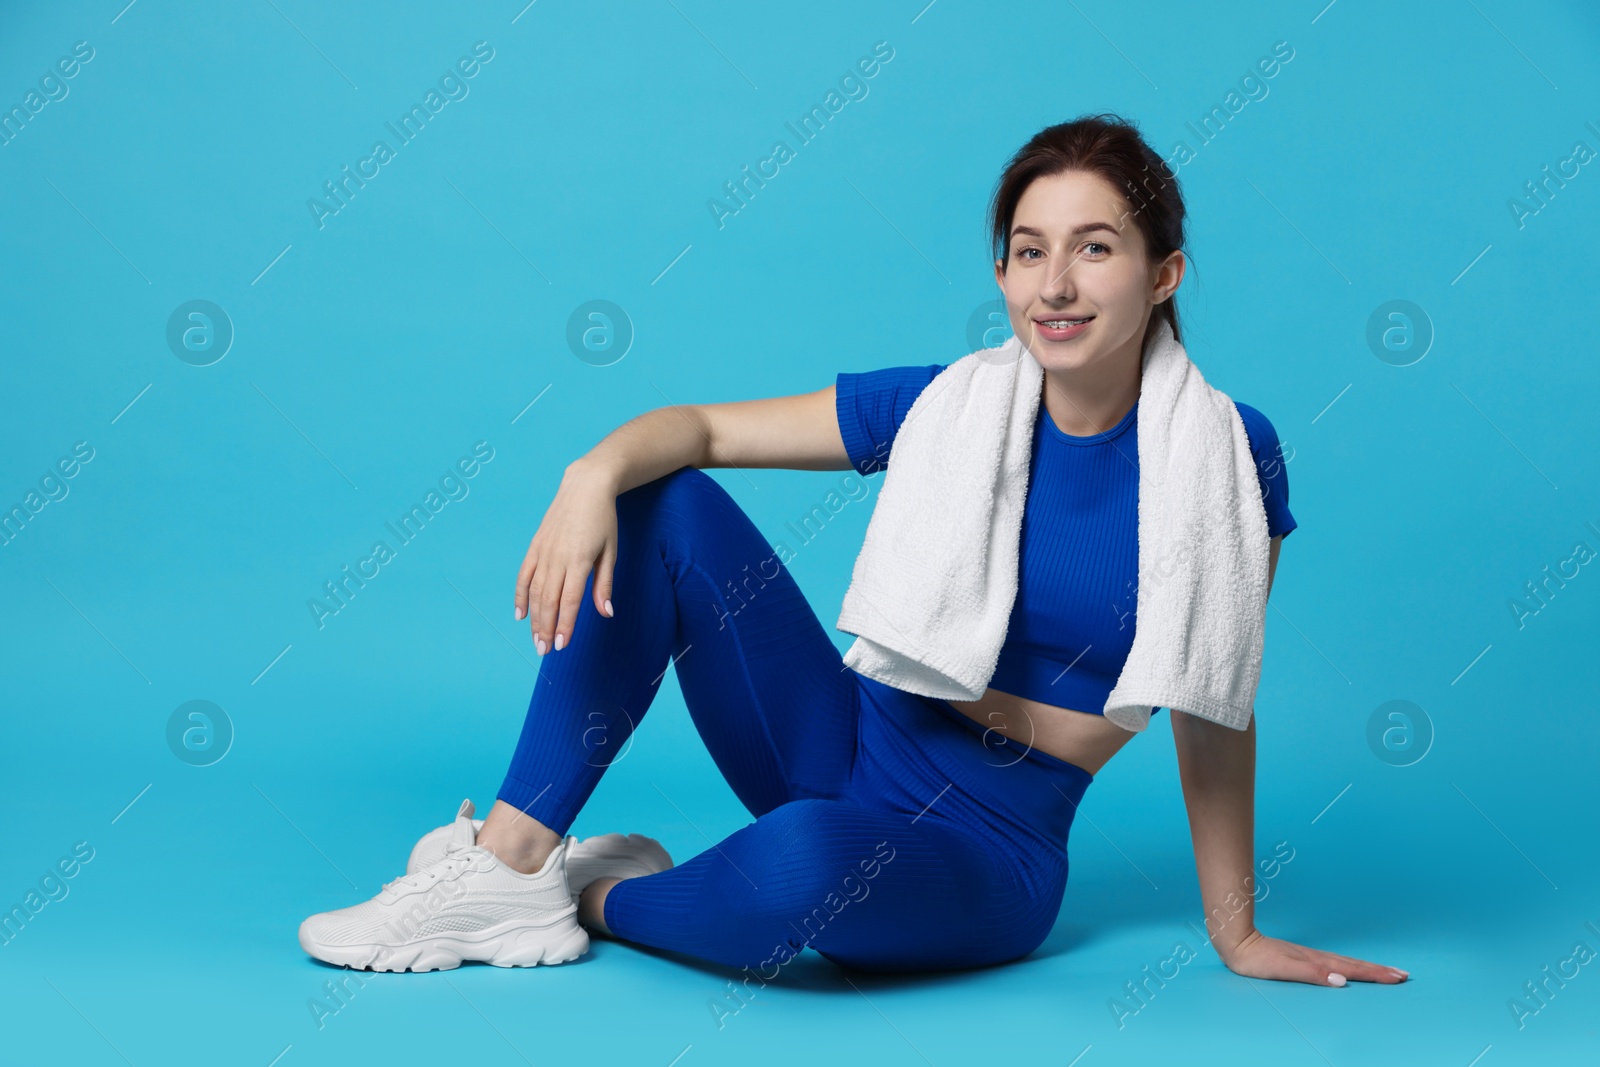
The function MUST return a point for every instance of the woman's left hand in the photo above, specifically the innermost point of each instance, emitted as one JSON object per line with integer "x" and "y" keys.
{"x": 1260, "y": 956}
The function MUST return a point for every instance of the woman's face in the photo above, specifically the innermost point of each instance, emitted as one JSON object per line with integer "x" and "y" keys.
{"x": 1076, "y": 253}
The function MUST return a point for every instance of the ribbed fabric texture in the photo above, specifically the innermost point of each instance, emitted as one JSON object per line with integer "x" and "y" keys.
{"x": 888, "y": 835}
{"x": 697, "y": 587}
{"x": 1072, "y": 623}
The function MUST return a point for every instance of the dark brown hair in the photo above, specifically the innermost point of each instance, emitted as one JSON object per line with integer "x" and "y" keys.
{"x": 1112, "y": 148}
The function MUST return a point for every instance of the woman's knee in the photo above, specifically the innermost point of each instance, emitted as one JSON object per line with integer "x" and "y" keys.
{"x": 820, "y": 857}
{"x": 687, "y": 515}
{"x": 765, "y": 891}
{"x": 678, "y": 494}
{"x": 712, "y": 908}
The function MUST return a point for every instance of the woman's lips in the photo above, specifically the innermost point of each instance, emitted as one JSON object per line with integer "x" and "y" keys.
{"x": 1052, "y": 333}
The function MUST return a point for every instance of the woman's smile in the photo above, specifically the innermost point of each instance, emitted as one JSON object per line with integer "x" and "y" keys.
{"x": 1061, "y": 327}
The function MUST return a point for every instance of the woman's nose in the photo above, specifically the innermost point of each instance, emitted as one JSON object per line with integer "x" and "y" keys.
{"x": 1058, "y": 278}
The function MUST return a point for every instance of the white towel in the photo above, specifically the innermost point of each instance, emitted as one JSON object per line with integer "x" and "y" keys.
{"x": 931, "y": 594}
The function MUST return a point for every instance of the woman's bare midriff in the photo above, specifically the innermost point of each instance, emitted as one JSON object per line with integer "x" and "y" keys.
{"x": 1078, "y": 737}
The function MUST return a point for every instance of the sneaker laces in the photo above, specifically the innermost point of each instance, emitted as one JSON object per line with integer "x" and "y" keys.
{"x": 458, "y": 859}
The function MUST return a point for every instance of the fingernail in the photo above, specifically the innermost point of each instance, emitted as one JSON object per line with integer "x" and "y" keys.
{"x": 609, "y": 612}
{"x": 1402, "y": 974}
{"x": 516, "y": 612}
{"x": 561, "y": 641}
{"x": 1336, "y": 978}
{"x": 538, "y": 643}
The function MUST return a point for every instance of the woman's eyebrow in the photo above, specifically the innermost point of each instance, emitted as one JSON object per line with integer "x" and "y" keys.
{"x": 1087, "y": 227}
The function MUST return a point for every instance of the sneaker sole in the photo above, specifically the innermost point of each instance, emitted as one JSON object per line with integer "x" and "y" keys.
{"x": 509, "y": 945}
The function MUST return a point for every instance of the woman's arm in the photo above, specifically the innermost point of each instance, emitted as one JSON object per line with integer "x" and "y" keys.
{"x": 578, "y": 533}
{"x": 1217, "y": 766}
{"x": 799, "y": 432}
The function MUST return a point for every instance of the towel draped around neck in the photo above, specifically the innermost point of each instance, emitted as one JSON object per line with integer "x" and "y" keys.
{"x": 932, "y": 590}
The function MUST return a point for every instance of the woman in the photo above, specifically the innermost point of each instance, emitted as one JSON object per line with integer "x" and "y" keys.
{"x": 892, "y": 831}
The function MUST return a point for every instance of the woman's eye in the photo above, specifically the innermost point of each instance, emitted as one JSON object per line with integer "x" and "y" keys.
{"x": 1022, "y": 253}
{"x": 1097, "y": 244}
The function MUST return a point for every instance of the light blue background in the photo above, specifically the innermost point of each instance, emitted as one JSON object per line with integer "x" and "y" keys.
{"x": 432, "y": 310}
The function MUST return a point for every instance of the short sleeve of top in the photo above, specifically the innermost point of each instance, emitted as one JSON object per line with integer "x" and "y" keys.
{"x": 871, "y": 405}
{"x": 1271, "y": 469}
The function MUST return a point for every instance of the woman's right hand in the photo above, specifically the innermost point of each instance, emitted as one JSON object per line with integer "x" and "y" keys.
{"x": 578, "y": 533}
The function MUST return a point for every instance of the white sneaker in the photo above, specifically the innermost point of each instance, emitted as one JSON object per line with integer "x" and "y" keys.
{"x": 465, "y": 905}
{"x": 430, "y": 848}
{"x": 605, "y": 855}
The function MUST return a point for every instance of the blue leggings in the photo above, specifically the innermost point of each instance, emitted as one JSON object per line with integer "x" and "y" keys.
{"x": 891, "y": 832}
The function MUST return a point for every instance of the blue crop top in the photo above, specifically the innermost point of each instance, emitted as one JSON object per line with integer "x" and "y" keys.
{"x": 1072, "y": 622}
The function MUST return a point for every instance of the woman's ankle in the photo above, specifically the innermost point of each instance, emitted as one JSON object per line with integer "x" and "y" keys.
{"x": 592, "y": 905}
{"x": 520, "y": 841}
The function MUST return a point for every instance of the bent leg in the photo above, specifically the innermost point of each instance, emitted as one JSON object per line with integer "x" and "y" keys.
{"x": 696, "y": 582}
{"x": 868, "y": 889}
